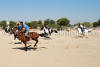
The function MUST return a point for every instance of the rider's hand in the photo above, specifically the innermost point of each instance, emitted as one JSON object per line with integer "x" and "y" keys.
{"x": 24, "y": 29}
{"x": 16, "y": 30}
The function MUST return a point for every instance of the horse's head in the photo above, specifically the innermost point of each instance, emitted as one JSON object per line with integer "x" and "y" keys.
{"x": 13, "y": 31}
{"x": 20, "y": 33}
{"x": 55, "y": 31}
{"x": 41, "y": 28}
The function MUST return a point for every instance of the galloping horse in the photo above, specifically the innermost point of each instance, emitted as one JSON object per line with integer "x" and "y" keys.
{"x": 14, "y": 32}
{"x": 47, "y": 32}
{"x": 21, "y": 36}
{"x": 82, "y": 33}
{"x": 8, "y": 29}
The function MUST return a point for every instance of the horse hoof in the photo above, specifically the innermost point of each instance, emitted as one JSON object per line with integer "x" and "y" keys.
{"x": 25, "y": 48}
{"x": 29, "y": 45}
{"x": 35, "y": 45}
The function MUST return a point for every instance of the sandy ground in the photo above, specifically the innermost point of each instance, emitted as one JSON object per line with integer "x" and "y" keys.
{"x": 62, "y": 50}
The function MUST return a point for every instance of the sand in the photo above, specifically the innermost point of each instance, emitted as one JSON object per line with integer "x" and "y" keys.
{"x": 62, "y": 50}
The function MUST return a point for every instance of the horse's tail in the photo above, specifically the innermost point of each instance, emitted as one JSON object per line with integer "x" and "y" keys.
{"x": 42, "y": 35}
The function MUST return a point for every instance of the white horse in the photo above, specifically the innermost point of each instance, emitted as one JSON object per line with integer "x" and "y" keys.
{"x": 84, "y": 33}
{"x": 79, "y": 32}
{"x": 8, "y": 29}
{"x": 47, "y": 32}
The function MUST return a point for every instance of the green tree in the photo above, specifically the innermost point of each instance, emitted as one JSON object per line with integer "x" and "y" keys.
{"x": 95, "y": 24}
{"x": 3, "y": 24}
{"x": 63, "y": 22}
{"x": 46, "y": 22}
{"x": 87, "y": 24}
{"x": 28, "y": 23}
{"x": 76, "y": 24}
{"x": 32, "y": 24}
{"x": 12, "y": 24}
{"x": 39, "y": 23}
{"x": 98, "y": 22}
{"x": 50, "y": 23}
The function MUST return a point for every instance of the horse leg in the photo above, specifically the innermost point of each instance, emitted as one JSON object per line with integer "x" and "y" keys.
{"x": 36, "y": 42}
{"x": 25, "y": 45}
{"x": 49, "y": 32}
{"x": 15, "y": 36}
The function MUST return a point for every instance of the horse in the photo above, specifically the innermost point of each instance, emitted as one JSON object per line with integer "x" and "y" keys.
{"x": 8, "y": 29}
{"x": 14, "y": 32}
{"x": 21, "y": 36}
{"x": 33, "y": 36}
{"x": 47, "y": 32}
{"x": 82, "y": 33}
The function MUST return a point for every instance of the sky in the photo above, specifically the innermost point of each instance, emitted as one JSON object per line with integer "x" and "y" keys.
{"x": 28, "y": 10}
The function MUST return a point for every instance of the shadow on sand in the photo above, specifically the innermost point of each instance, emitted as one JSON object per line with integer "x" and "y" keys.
{"x": 18, "y": 43}
{"x": 46, "y": 38}
{"x": 15, "y": 43}
{"x": 30, "y": 48}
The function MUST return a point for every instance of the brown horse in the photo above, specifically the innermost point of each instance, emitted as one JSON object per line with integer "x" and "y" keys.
{"x": 21, "y": 36}
{"x": 33, "y": 36}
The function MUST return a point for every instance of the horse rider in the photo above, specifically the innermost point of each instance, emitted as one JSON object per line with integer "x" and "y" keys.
{"x": 7, "y": 30}
{"x": 19, "y": 27}
{"x": 80, "y": 26}
{"x": 47, "y": 27}
{"x": 83, "y": 27}
{"x": 25, "y": 29}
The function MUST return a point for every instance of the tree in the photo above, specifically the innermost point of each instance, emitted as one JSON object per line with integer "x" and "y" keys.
{"x": 46, "y": 22}
{"x": 39, "y": 23}
{"x": 63, "y": 22}
{"x": 32, "y": 24}
{"x": 12, "y": 24}
{"x": 76, "y": 24}
{"x": 87, "y": 24}
{"x": 98, "y": 22}
{"x": 3, "y": 24}
{"x": 50, "y": 23}
{"x": 95, "y": 24}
